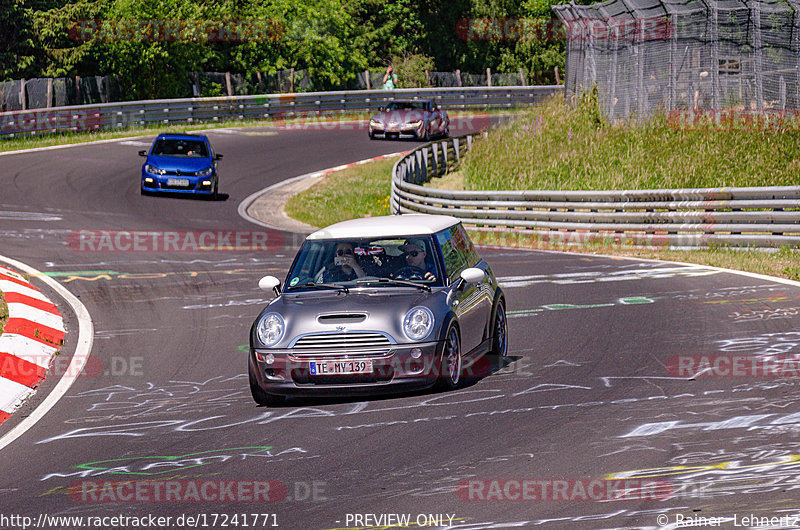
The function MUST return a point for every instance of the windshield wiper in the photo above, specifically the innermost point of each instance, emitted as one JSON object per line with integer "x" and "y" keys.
{"x": 397, "y": 282}
{"x": 341, "y": 288}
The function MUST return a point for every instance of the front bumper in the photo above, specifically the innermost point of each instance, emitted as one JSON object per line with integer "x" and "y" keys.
{"x": 397, "y": 131}
{"x": 161, "y": 183}
{"x": 395, "y": 370}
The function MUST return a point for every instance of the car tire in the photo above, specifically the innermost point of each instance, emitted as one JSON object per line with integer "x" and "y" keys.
{"x": 450, "y": 366}
{"x": 427, "y": 136}
{"x": 500, "y": 332}
{"x": 215, "y": 194}
{"x": 259, "y": 396}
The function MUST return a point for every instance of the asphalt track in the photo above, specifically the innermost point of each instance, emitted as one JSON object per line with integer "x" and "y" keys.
{"x": 587, "y": 394}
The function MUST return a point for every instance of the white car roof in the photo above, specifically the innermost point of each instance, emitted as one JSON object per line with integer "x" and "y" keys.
{"x": 390, "y": 225}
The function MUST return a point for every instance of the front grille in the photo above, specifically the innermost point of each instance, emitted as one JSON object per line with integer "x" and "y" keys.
{"x": 354, "y": 344}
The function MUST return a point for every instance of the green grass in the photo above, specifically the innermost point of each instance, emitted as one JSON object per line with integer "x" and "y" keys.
{"x": 363, "y": 191}
{"x": 558, "y": 147}
{"x": 3, "y": 312}
{"x": 358, "y": 191}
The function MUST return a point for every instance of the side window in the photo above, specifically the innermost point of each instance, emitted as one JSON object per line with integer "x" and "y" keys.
{"x": 463, "y": 244}
{"x": 453, "y": 259}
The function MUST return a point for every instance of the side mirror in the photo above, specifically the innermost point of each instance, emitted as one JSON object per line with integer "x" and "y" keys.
{"x": 270, "y": 283}
{"x": 471, "y": 275}
{"x": 218, "y": 157}
{"x": 142, "y": 153}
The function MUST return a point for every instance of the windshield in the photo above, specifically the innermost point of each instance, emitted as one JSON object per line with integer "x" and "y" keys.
{"x": 178, "y": 147}
{"x": 365, "y": 262}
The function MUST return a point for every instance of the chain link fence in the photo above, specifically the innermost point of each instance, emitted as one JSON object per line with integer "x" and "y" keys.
{"x": 647, "y": 57}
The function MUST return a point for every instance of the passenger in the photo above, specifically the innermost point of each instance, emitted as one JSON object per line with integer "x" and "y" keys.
{"x": 345, "y": 267}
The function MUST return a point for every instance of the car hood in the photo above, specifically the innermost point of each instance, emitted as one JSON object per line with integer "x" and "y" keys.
{"x": 381, "y": 309}
{"x": 174, "y": 163}
{"x": 400, "y": 116}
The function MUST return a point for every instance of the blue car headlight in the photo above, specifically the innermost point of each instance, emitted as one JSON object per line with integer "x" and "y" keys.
{"x": 154, "y": 170}
{"x": 418, "y": 323}
{"x": 270, "y": 329}
{"x": 205, "y": 172}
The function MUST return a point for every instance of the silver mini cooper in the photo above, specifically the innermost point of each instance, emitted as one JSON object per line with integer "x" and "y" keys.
{"x": 377, "y": 305}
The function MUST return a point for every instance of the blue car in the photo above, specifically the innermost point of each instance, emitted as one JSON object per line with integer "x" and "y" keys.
{"x": 181, "y": 163}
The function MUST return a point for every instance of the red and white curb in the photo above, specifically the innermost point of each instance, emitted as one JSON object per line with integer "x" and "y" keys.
{"x": 31, "y": 337}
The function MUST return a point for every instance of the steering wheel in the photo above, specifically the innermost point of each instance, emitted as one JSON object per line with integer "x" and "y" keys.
{"x": 409, "y": 273}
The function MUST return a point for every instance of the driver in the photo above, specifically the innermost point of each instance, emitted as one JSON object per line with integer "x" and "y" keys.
{"x": 414, "y": 253}
{"x": 344, "y": 267}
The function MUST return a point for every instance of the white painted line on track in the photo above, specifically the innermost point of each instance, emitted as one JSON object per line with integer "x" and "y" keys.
{"x": 64, "y": 146}
{"x": 82, "y": 350}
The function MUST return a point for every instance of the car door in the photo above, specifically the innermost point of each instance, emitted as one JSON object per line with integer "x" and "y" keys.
{"x": 469, "y": 302}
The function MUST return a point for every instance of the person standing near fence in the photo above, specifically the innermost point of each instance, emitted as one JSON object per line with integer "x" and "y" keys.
{"x": 389, "y": 79}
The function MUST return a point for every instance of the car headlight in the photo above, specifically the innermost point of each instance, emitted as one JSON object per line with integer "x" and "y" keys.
{"x": 375, "y": 123}
{"x": 154, "y": 170}
{"x": 270, "y": 329}
{"x": 414, "y": 123}
{"x": 204, "y": 172}
{"x": 418, "y": 323}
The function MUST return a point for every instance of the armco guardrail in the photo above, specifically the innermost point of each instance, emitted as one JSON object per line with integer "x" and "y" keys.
{"x": 679, "y": 218}
{"x": 204, "y": 110}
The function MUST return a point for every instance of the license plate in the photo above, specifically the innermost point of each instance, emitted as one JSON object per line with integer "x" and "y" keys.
{"x": 341, "y": 367}
{"x": 177, "y": 182}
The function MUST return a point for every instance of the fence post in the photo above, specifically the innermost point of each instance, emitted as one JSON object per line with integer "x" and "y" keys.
{"x": 291, "y": 80}
{"x": 50, "y": 92}
{"x": 78, "y": 90}
{"x": 458, "y": 77}
{"x": 558, "y": 77}
{"x": 488, "y": 77}
{"x": 366, "y": 77}
{"x": 228, "y": 83}
{"x": 258, "y": 76}
{"x": 22, "y": 99}
{"x": 196, "y": 86}
{"x": 522, "y": 77}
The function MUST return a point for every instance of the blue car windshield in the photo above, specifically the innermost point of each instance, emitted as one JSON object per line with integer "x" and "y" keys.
{"x": 180, "y": 147}
{"x": 366, "y": 262}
